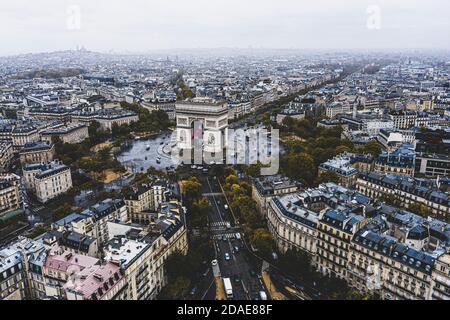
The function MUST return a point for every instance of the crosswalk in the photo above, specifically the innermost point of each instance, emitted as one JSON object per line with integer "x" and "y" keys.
{"x": 228, "y": 236}
{"x": 219, "y": 224}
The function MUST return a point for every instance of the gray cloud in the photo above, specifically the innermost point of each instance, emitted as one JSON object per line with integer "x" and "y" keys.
{"x": 143, "y": 25}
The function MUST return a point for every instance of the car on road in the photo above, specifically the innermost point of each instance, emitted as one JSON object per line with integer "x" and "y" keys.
{"x": 236, "y": 249}
{"x": 193, "y": 291}
{"x": 193, "y": 166}
{"x": 227, "y": 256}
{"x": 262, "y": 295}
{"x": 226, "y": 207}
{"x": 238, "y": 236}
{"x": 224, "y": 238}
{"x": 214, "y": 262}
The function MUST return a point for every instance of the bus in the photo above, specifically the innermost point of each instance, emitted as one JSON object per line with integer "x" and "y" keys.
{"x": 228, "y": 288}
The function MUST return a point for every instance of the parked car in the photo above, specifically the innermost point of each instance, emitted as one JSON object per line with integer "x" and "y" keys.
{"x": 227, "y": 256}
{"x": 214, "y": 262}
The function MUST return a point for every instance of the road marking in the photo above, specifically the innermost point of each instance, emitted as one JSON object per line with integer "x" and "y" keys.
{"x": 228, "y": 236}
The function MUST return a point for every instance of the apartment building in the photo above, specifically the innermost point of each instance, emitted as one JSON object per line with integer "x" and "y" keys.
{"x": 265, "y": 188}
{"x": 21, "y": 270}
{"x": 440, "y": 284}
{"x": 335, "y": 232}
{"x": 6, "y": 155}
{"x": 376, "y": 248}
{"x": 337, "y": 108}
{"x": 380, "y": 263}
{"x": 106, "y": 117}
{"x": 399, "y": 161}
{"x": 12, "y": 280}
{"x": 61, "y": 268}
{"x": 432, "y": 165}
{"x": 403, "y": 119}
{"x": 61, "y": 265}
{"x": 98, "y": 282}
{"x": 341, "y": 165}
{"x": 392, "y": 140}
{"x": 71, "y": 133}
{"x": 47, "y": 113}
{"x": 21, "y": 135}
{"x": 93, "y": 221}
{"x": 37, "y": 152}
{"x": 408, "y": 191}
{"x": 141, "y": 253}
{"x": 10, "y": 196}
{"x": 47, "y": 180}
{"x": 71, "y": 241}
{"x": 144, "y": 199}
{"x": 292, "y": 225}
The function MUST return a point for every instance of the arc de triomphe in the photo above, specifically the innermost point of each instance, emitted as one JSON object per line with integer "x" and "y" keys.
{"x": 202, "y": 129}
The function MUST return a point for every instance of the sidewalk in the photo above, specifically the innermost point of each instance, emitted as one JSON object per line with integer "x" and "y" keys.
{"x": 220, "y": 290}
{"x": 274, "y": 293}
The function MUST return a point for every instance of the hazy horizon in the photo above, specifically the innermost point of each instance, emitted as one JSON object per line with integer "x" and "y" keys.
{"x": 139, "y": 26}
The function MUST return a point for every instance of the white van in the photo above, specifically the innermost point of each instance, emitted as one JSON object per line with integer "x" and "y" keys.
{"x": 262, "y": 295}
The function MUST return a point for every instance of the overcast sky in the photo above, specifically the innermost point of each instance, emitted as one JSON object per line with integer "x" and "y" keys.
{"x": 145, "y": 25}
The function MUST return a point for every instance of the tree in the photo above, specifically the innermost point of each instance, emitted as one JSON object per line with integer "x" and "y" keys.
{"x": 262, "y": 239}
{"x": 355, "y": 295}
{"x": 266, "y": 119}
{"x": 199, "y": 212}
{"x": 253, "y": 170}
{"x": 420, "y": 209}
{"x": 300, "y": 166}
{"x": 342, "y": 149}
{"x": 191, "y": 188}
{"x": 176, "y": 265}
{"x": 288, "y": 123}
{"x": 176, "y": 289}
{"x": 231, "y": 180}
{"x": 373, "y": 148}
{"x": 328, "y": 176}
{"x": 63, "y": 211}
{"x": 296, "y": 263}
{"x": 38, "y": 230}
{"x": 390, "y": 199}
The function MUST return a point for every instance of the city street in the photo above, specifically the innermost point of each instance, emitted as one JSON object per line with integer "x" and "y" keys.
{"x": 244, "y": 277}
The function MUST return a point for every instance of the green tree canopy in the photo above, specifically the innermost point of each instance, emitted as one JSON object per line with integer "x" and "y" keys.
{"x": 262, "y": 239}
